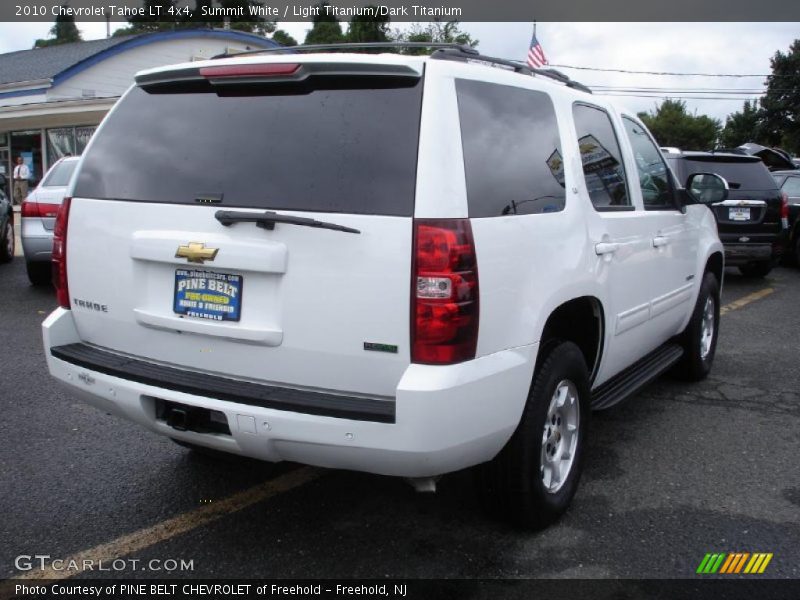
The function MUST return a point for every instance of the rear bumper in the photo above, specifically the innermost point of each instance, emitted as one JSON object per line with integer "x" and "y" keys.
{"x": 37, "y": 242}
{"x": 758, "y": 247}
{"x": 445, "y": 418}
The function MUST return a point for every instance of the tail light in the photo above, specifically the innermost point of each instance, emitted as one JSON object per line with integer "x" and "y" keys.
{"x": 60, "y": 254}
{"x": 38, "y": 209}
{"x": 785, "y": 210}
{"x": 444, "y": 307}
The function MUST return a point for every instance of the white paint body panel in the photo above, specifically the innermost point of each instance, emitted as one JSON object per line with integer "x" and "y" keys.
{"x": 312, "y": 297}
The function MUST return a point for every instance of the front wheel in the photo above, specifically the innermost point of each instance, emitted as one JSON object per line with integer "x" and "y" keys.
{"x": 699, "y": 339}
{"x": 534, "y": 478}
{"x": 7, "y": 242}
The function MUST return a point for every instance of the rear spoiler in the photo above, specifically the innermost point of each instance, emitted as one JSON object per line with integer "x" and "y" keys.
{"x": 276, "y": 72}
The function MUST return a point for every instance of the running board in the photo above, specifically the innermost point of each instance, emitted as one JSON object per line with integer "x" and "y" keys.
{"x": 635, "y": 377}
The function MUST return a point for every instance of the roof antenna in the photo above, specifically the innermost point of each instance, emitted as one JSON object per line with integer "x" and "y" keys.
{"x": 108, "y": 23}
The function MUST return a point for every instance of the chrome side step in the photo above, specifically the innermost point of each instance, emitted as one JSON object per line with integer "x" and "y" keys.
{"x": 635, "y": 377}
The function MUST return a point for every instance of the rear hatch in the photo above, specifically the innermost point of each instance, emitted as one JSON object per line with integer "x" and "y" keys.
{"x": 167, "y": 227}
{"x": 754, "y": 201}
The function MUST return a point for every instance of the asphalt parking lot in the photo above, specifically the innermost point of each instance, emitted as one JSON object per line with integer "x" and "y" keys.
{"x": 679, "y": 471}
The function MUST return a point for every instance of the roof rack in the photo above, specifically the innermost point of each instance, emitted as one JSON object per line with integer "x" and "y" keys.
{"x": 350, "y": 46}
{"x": 442, "y": 51}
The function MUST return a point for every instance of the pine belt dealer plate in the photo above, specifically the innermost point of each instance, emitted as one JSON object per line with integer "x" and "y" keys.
{"x": 208, "y": 295}
{"x": 739, "y": 214}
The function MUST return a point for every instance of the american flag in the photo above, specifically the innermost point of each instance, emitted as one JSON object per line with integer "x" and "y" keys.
{"x": 536, "y": 57}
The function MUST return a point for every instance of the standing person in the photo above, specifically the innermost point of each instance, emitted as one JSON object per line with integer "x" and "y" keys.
{"x": 21, "y": 176}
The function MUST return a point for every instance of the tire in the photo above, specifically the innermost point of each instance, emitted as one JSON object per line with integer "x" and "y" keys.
{"x": 757, "y": 269}
{"x": 7, "y": 241}
{"x": 520, "y": 483}
{"x": 699, "y": 339}
{"x": 40, "y": 273}
{"x": 797, "y": 251}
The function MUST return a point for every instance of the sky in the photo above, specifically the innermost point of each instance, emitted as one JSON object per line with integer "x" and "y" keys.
{"x": 709, "y": 48}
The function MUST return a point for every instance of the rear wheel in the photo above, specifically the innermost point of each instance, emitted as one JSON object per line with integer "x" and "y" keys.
{"x": 797, "y": 251}
{"x": 757, "y": 269}
{"x": 39, "y": 273}
{"x": 7, "y": 241}
{"x": 533, "y": 479}
{"x": 699, "y": 339}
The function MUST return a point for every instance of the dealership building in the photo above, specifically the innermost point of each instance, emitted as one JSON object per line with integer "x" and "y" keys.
{"x": 53, "y": 98}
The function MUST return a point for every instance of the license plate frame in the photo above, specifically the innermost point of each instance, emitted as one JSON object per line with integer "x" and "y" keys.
{"x": 199, "y": 298}
{"x": 739, "y": 213}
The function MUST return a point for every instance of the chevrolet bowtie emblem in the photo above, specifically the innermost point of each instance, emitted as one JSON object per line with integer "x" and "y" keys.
{"x": 196, "y": 252}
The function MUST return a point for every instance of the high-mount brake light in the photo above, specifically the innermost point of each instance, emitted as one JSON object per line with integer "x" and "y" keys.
{"x": 444, "y": 307}
{"x": 245, "y": 71}
{"x": 59, "y": 259}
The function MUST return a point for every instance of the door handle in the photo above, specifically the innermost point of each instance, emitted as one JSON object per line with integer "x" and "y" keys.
{"x": 660, "y": 240}
{"x": 606, "y": 248}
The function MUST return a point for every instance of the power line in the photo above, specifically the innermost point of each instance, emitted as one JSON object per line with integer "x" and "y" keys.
{"x": 672, "y": 73}
{"x": 670, "y": 96}
{"x": 679, "y": 89}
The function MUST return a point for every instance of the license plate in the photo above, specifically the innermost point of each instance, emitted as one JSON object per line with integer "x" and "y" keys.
{"x": 739, "y": 214}
{"x": 208, "y": 295}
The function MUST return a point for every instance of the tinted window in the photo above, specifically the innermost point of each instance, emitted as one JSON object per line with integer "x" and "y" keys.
{"x": 342, "y": 150}
{"x": 602, "y": 160}
{"x": 792, "y": 187}
{"x": 60, "y": 175}
{"x": 740, "y": 175}
{"x": 654, "y": 177}
{"x": 512, "y": 152}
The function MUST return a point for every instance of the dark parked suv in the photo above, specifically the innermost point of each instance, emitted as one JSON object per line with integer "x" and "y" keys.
{"x": 750, "y": 221}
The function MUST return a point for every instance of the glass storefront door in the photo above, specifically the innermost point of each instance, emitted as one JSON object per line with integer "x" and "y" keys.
{"x": 28, "y": 145}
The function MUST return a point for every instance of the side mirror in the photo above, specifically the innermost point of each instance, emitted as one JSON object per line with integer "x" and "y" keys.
{"x": 707, "y": 188}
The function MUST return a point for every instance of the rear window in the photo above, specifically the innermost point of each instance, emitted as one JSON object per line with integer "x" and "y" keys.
{"x": 60, "y": 175}
{"x": 739, "y": 175}
{"x": 328, "y": 150}
{"x": 512, "y": 150}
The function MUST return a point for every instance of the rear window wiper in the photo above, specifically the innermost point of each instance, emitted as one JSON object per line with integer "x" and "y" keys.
{"x": 267, "y": 220}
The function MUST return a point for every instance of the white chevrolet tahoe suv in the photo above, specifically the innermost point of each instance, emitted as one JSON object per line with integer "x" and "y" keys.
{"x": 396, "y": 264}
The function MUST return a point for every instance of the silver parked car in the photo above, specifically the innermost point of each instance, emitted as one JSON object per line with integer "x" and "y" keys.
{"x": 39, "y": 216}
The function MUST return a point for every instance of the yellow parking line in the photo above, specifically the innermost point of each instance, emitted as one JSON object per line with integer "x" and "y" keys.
{"x": 746, "y": 300}
{"x": 144, "y": 538}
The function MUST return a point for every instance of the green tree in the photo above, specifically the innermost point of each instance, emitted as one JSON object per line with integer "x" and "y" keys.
{"x": 246, "y": 22}
{"x": 742, "y": 126}
{"x": 365, "y": 28}
{"x": 781, "y": 103}
{"x": 672, "y": 125}
{"x": 326, "y": 29}
{"x": 157, "y": 17}
{"x": 283, "y": 38}
{"x": 435, "y": 32}
{"x": 64, "y": 32}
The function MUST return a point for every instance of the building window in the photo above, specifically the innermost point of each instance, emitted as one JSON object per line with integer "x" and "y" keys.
{"x": 67, "y": 141}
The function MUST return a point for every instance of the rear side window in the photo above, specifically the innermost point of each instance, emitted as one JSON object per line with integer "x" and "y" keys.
{"x": 512, "y": 150}
{"x": 601, "y": 158}
{"x": 740, "y": 175}
{"x": 61, "y": 174}
{"x": 328, "y": 150}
